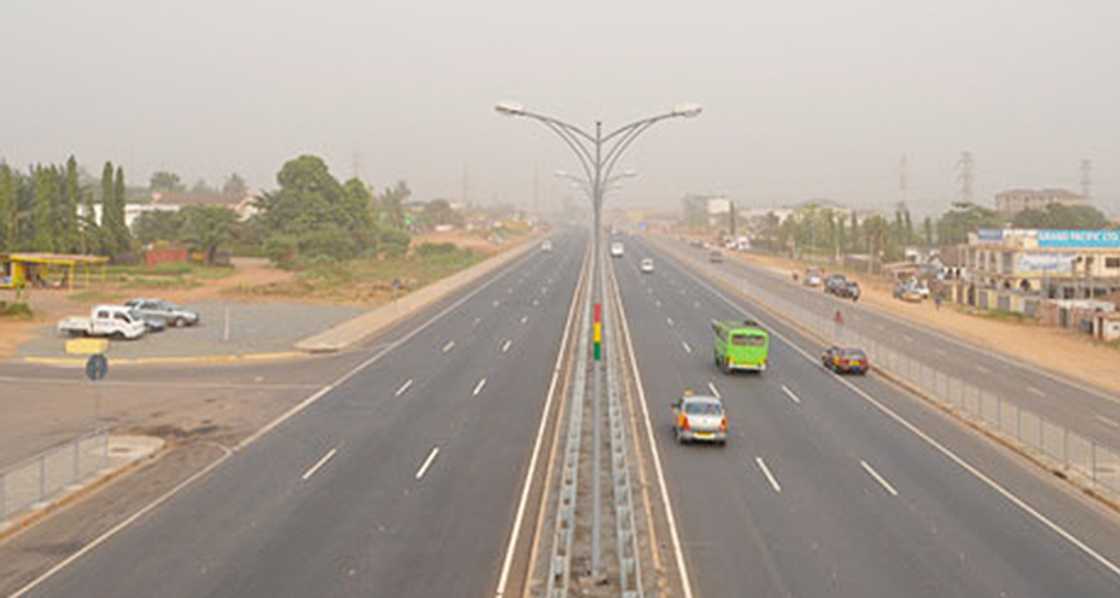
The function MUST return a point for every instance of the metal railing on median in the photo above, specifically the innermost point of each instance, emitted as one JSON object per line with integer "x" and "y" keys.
{"x": 1074, "y": 455}
{"x": 40, "y": 478}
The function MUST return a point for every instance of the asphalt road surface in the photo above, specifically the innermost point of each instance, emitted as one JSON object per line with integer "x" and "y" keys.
{"x": 1090, "y": 411}
{"x": 401, "y": 480}
{"x": 836, "y": 486}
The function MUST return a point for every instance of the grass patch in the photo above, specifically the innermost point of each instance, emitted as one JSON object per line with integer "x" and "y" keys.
{"x": 1002, "y": 315}
{"x": 96, "y": 296}
{"x": 19, "y": 310}
{"x": 368, "y": 280}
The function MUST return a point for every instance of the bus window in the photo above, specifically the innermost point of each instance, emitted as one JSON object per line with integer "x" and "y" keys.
{"x": 748, "y": 340}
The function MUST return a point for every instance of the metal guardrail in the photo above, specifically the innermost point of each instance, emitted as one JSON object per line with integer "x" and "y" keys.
{"x": 45, "y": 475}
{"x": 1076, "y": 456}
{"x": 559, "y": 567}
{"x": 629, "y": 560}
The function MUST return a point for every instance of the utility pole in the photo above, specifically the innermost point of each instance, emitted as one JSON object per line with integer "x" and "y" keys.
{"x": 904, "y": 178}
{"x": 965, "y": 176}
{"x": 1087, "y": 179}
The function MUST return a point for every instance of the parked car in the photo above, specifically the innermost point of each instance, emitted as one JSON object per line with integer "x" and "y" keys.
{"x": 906, "y": 292}
{"x": 812, "y": 277}
{"x": 715, "y": 257}
{"x": 850, "y": 290}
{"x": 152, "y": 322}
{"x": 834, "y": 283}
{"x": 175, "y": 315}
{"x": 845, "y": 360}
{"x": 105, "y": 320}
{"x": 646, "y": 266}
{"x": 699, "y": 418}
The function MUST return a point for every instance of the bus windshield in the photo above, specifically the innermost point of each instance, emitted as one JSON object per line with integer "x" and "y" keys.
{"x": 748, "y": 340}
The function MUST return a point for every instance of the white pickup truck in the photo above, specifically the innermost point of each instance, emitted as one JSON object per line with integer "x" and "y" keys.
{"x": 105, "y": 320}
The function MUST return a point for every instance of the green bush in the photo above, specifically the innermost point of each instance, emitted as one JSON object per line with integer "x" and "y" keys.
{"x": 394, "y": 242}
{"x": 282, "y": 250}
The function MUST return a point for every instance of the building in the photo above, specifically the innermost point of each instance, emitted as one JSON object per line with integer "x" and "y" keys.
{"x": 706, "y": 210}
{"x": 1013, "y": 201}
{"x": 245, "y": 206}
{"x": 1059, "y": 264}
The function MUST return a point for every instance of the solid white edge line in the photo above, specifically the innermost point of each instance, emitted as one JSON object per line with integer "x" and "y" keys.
{"x": 519, "y": 516}
{"x": 1007, "y": 494}
{"x": 666, "y": 502}
{"x": 478, "y": 387}
{"x": 769, "y": 476}
{"x": 327, "y": 457}
{"x": 715, "y": 391}
{"x": 878, "y": 478}
{"x": 506, "y": 269}
{"x": 1108, "y": 421}
{"x": 427, "y": 462}
{"x": 789, "y": 393}
{"x": 404, "y": 388}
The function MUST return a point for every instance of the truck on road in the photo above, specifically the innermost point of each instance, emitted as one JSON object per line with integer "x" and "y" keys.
{"x": 105, "y": 320}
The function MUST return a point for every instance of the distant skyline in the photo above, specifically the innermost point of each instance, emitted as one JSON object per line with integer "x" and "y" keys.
{"x": 801, "y": 99}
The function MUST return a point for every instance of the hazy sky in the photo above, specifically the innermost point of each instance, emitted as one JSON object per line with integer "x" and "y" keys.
{"x": 801, "y": 99}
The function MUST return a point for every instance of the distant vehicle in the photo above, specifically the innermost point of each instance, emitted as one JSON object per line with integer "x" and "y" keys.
{"x": 813, "y": 277}
{"x": 105, "y": 320}
{"x": 546, "y": 245}
{"x": 845, "y": 360}
{"x": 699, "y": 418}
{"x": 715, "y": 257}
{"x": 616, "y": 249}
{"x": 907, "y": 292}
{"x": 849, "y": 291}
{"x": 921, "y": 287}
{"x": 834, "y": 283}
{"x": 740, "y": 346}
{"x": 696, "y": 242}
{"x": 175, "y": 315}
{"x": 647, "y": 266}
{"x": 742, "y": 244}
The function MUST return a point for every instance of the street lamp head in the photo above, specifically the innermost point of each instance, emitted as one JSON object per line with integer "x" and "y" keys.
{"x": 509, "y": 108}
{"x": 687, "y": 110}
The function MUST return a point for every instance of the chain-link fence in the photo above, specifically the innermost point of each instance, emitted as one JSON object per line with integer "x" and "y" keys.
{"x": 40, "y": 478}
{"x": 1076, "y": 456}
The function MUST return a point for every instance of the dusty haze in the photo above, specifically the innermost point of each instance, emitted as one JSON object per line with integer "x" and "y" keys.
{"x": 801, "y": 99}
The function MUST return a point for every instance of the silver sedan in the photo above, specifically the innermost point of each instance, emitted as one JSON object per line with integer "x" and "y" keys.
{"x": 699, "y": 418}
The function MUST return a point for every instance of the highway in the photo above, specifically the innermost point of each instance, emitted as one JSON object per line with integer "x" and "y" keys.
{"x": 399, "y": 479}
{"x": 836, "y": 486}
{"x": 1092, "y": 412}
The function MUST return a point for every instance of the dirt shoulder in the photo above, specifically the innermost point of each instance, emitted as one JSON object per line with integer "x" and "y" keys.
{"x": 1074, "y": 355}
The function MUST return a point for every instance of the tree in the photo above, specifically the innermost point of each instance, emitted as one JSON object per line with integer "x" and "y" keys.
{"x": 438, "y": 211}
{"x": 963, "y": 218}
{"x": 235, "y": 186}
{"x": 8, "y": 208}
{"x": 877, "y": 230}
{"x": 112, "y": 211}
{"x": 201, "y": 187}
{"x": 159, "y": 225}
{"x": 42, "y": 216}
{"x": 165, "y": 181}
{"x": 927, "y": 228}
{"x": 70, "y": 240}
{"x": 855, "y": 233}
{"x": 1061, "y": 216}
{"x": 908, "y": 226}
{"x": 91, "y": 233}
{"x": 391, "y": 204}
{"x": 208, "y": 228}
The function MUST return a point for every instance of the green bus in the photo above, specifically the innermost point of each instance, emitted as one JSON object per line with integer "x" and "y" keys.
{"x": 740, "y": 346}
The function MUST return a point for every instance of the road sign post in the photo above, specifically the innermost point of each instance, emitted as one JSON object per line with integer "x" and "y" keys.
{"x": 97, "y": 367}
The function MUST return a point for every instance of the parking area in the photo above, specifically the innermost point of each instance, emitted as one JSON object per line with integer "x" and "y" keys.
{"x": 225, "y": 328}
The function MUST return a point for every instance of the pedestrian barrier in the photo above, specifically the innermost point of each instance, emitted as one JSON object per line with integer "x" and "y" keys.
{"x": 35, "y": 481}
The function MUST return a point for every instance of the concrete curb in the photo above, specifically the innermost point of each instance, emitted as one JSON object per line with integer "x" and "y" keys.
{"x": 371, "y": 323}
{"x": 75, "y": 362}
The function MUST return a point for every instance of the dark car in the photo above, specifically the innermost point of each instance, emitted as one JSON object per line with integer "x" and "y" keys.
{"x": 845, "y": 360}
{"x": 834, "y": 283}
{"x": 850, "y": 290}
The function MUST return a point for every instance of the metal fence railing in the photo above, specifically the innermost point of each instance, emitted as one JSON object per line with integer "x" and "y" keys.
{"x": 1076, "y": 456}
{"x": 47, "y": 474}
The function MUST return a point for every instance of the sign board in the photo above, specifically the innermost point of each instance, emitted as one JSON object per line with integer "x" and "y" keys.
{"x": 86, "y": 346}
{"x": 1057, "y": 263}
{"x": 96, "y": 367}
{"x": 1096, "y": 239}
{"x": 990, "y": 235}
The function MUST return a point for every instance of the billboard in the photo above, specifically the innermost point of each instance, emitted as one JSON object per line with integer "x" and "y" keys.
{"x": 1037, "y": 263}
{"x": 1079, "y": 239}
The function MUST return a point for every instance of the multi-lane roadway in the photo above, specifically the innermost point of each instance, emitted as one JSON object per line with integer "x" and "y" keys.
{"x": 399, "y": 478}
{"x": 836, "y": 486}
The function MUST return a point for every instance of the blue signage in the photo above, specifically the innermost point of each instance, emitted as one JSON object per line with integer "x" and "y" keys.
{"x": 1102, "y": 239}
{"x": 990, "y": 234}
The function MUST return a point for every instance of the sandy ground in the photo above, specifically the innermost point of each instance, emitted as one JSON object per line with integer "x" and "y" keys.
{"x": 1075, "y": 355}
{"x": 52, "y": 305}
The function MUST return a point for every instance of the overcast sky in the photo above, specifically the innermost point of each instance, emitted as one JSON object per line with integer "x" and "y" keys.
{"x": 801, "y": 99}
